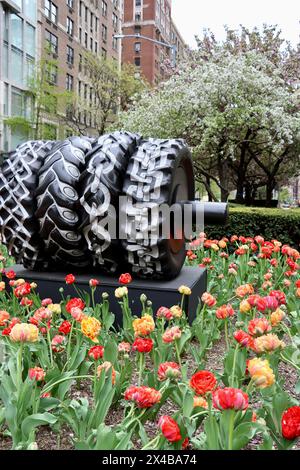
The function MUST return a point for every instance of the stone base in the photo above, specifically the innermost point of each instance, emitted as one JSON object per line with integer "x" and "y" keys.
{"x": 161, "y": 293}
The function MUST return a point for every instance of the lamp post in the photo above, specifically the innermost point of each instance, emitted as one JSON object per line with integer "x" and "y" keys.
{"x": 173, "y": 47}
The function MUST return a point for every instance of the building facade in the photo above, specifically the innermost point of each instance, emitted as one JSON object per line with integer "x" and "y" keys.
{"x": 72, "y": 27}
{"x": 18, "y": 53}
{"x": 67, "y": 29}
{"x": 153, "y": 19}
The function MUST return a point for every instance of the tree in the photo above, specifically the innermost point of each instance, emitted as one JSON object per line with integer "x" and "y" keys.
{"x": 42, "y": 100}
{"x": 106, "y": 89}
{"x": 237, "y": 111}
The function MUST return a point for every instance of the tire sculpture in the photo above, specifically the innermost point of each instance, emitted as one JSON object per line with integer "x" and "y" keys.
{"x": 57, "y": 200}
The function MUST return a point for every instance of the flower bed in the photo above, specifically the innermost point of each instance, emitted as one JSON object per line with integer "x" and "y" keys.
{"x": 68, "y": 379}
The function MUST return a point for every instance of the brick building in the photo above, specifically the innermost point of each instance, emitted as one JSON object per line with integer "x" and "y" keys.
{"x": 153, "y": 19}
{"x": 71, "y": 27}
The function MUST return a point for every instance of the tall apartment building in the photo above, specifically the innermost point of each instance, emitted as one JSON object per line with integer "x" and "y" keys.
{"x": 72, "y": 27}
{"x": 67, "y": 28}
{"x": 18, "y": 39}
{"x": 153, "y": 19}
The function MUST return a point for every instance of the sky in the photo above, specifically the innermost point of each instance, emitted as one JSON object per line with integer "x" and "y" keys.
{"x": 192, "y": 16}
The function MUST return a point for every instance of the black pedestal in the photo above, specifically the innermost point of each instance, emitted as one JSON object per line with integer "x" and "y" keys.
{"x": 161, "y": 293}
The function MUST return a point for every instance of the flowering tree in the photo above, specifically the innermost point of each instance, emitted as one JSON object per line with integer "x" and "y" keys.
{"x": 238, "y": 113}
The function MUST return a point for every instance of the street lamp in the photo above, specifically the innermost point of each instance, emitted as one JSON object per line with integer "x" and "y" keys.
{"x": 173, "y": 48}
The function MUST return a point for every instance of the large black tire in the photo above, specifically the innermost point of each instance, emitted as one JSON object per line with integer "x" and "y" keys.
{"x": 57, "y": 200}
{"x": 18, "y": 225}
{"x": 100, "y": 187}
{"x": 160, "y": 172}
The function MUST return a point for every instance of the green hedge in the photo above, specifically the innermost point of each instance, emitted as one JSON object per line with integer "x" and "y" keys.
{"x": 283, "y": 225}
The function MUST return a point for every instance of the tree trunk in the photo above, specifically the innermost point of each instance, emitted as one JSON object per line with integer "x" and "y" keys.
{"x": 269, "y": 192}
{"x": 223, "y": 177}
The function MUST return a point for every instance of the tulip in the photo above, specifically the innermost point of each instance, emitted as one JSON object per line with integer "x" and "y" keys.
{"x": 168, "y": 370}
{"x": 169, "y": 429}
{"x": 144, "y": 397}
{"x": 268, "y": 343}
{"x": 24, "y": 333}
{"x": 37, "y": 373}
{"x": 4, "y": 317}
{"x": 184, "y": 290}
{"x": 121, "y": 292}
{"x": 91, "y": 328}
{"x": 106, "y": 366}
{"x": 261, "y": 373}
{"x": 230, "y": 398}
{"x": 143, "y": 326}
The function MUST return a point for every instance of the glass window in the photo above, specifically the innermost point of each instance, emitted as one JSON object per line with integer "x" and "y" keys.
{"x": 17, "y": 31}
{"x": 5, "y": 103}
{"x": 52, "y": 41}
{"x": 70, "y": 55}
{"x": 30, "y": 9}
{"x": 30, "y": 39}
{"x": 51, "y": 11}
{"x": 18, "y": 3}
{"x": 29, "y": 68}
{"x": 16, "y": 65}
{"x": 5, "y": 24}
{"x": 5, "y": 61}
{"x": 69, "y": 82}
{"x": 17, "y": 102}
{"x": 18, "y": 136}
{"x": 70, "y": 26}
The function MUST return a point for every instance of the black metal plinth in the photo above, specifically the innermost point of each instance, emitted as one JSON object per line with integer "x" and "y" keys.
{"x": 161, "y": 293}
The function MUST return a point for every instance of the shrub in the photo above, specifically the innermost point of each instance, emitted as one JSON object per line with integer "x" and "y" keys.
{"x": 280, "y": 224}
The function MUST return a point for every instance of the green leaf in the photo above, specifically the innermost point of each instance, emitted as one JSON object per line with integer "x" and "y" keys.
{"x": 244, "y": 433}
{"x": 33, "y": 421}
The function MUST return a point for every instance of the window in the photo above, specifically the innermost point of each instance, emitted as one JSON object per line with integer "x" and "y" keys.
{"x": 5, "y": 61}
{"x": 70, "y": 26}
{"x": 70, "y": 3}
{"x": 115, "y": 21}
{"x": 70, "y": 55}
{"x": 51, "y": 11}
{"x": 137, "y": 61}
{"x": 96, "y": 47}
{"x": 104, "y": 33}
{"x": 80, "y": 9}
{"x": 115, "y": 43}
{"x": 91, "y": 44}
{"x": 138, "y": 3}
{"x": 137, "y": 29}
{"x": 80, "y": 35}
{"x": 86, "y": 40}
{"x": 5, "y": 104}
{"x": 16, "y": 66}
{"x": 69, "y": 82}
{"x": 104, "y": 8}
{"x": 52, "y": 74}
{"x": 86, "y": 14}
{"x": 52, "y": 41}
{"x": 80, "y": 63}
{"x": 104, "y": 53}
{"x": 96, "y": 24}
{"x": 30, "y": 40}
{"x": 17, "y": 31}
{"x": 30, "y": 9}
{"x": 17, "y": 102}
{"x": 137, "y": 47}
